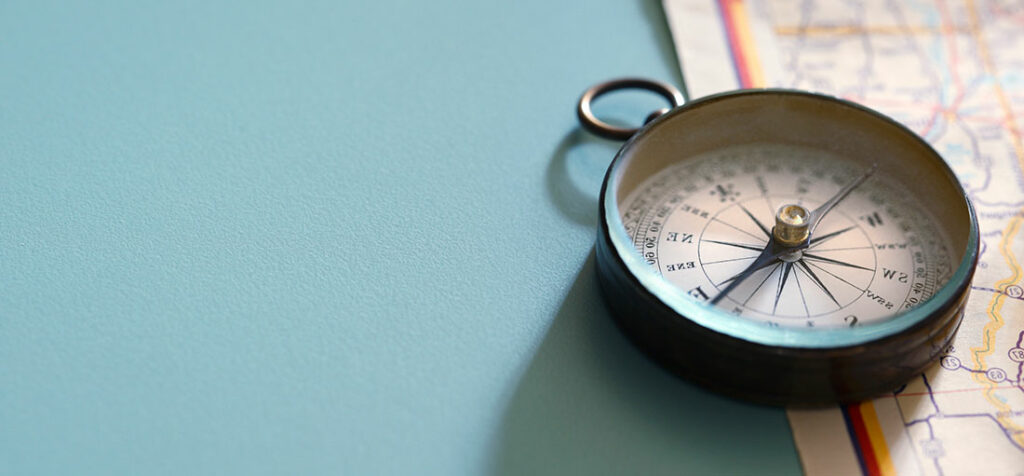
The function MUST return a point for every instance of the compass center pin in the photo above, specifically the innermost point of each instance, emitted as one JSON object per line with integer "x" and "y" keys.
{"x": 791, "y": 225}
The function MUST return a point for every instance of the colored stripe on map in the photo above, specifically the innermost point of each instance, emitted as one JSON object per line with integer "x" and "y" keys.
{"x": 878, "y": 444}
{"x": 868, "y": 440}
{"x": 855, "y": 428}
{"x": 852, "y": 433}
{"x": 740, "y": 36}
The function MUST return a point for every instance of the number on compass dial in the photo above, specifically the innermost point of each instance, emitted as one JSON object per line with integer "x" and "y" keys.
{"x": 704, "y": 221}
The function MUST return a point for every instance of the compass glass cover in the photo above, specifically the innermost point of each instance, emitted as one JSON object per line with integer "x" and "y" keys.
{"x": 700, "y": 207}
{"x": 701, "y": 222}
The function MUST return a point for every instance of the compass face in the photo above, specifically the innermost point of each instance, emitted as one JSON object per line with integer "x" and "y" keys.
{"x": 782, "y": 246}
{"x": 702, "y": 221}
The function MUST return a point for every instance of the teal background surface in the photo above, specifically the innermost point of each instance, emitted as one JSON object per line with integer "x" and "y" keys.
{"x": 317, "y": 237}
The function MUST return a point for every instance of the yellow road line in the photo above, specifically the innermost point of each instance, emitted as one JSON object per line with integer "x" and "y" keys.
{"x": 996, "y": 320}
{"x": 878, "y": 444}
{"x": 746, "y": 37}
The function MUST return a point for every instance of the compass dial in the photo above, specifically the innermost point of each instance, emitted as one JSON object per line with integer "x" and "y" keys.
{"x": 703, "y": 221}
{"x": 782, "y": 246}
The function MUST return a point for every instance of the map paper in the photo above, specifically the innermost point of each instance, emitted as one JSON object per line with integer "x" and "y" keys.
{"x": 953, "y": 72}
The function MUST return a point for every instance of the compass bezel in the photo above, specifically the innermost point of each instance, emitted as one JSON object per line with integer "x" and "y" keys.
{"x": 660, "y": 317}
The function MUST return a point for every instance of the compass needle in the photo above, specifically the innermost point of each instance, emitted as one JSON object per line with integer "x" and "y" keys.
{"x": 868, "y": 224}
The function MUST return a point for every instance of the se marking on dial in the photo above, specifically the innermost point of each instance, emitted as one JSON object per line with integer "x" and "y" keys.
{"x": 704, "y": 220}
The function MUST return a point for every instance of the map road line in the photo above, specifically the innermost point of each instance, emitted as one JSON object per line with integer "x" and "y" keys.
{"x": 978, "y": 354}
{"x": 996, "y": 322}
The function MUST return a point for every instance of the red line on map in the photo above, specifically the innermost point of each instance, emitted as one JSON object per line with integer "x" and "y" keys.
{"x": 740, "y": 60}
{"x": 959, "y": 390}
{"x": 948, "y": 32}
{"x": 934, "y": 110}
{"x": 863, "y": 440}
{"x": 931, "y": 121}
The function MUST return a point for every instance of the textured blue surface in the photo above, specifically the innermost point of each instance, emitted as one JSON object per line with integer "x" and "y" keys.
{"x": 327, "y": 237}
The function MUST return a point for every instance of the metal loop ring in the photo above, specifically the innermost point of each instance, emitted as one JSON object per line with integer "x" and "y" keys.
{"x": 591, "y": 123}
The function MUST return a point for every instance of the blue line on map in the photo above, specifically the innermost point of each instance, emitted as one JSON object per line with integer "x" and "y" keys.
{"x": 931, "y": 396}
{"x": 993, "y": 290}
{"x": 1020, "y": 366}
{"x": 857, "y": 450}
{"x": 939, "y": 415}
{"x": 1006, "y": 432}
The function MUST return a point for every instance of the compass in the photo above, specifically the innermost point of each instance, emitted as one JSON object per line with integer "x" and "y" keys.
{"x": 781, "y": 246}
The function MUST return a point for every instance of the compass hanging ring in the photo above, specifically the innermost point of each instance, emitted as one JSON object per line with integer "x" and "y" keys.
{"x": 608, "y": 131}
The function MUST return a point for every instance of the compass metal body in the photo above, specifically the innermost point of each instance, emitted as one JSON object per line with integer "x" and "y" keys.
{"x": 782, "y": 246}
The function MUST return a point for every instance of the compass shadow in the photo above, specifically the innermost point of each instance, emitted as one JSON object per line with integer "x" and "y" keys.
{"x": 577, "y": 167}
{"x": 590, "y": 403}
{"x": 575, "y": 173}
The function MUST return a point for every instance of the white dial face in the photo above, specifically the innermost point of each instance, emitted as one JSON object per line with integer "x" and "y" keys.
{"x": 703, "y": 221}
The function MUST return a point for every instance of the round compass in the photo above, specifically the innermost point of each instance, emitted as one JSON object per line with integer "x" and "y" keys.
{"x": 782, "y": 246}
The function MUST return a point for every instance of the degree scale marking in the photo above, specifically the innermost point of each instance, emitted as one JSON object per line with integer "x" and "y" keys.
{"x": 859, "y": 270}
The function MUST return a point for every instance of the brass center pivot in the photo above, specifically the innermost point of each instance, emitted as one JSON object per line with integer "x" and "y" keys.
{"x": 791, "y": 225}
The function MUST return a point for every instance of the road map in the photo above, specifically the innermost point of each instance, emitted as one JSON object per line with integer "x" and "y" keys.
{"x": 953, "y": 72}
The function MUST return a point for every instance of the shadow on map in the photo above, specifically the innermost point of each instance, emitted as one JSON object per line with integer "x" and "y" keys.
{"x": 590, "y": 403}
